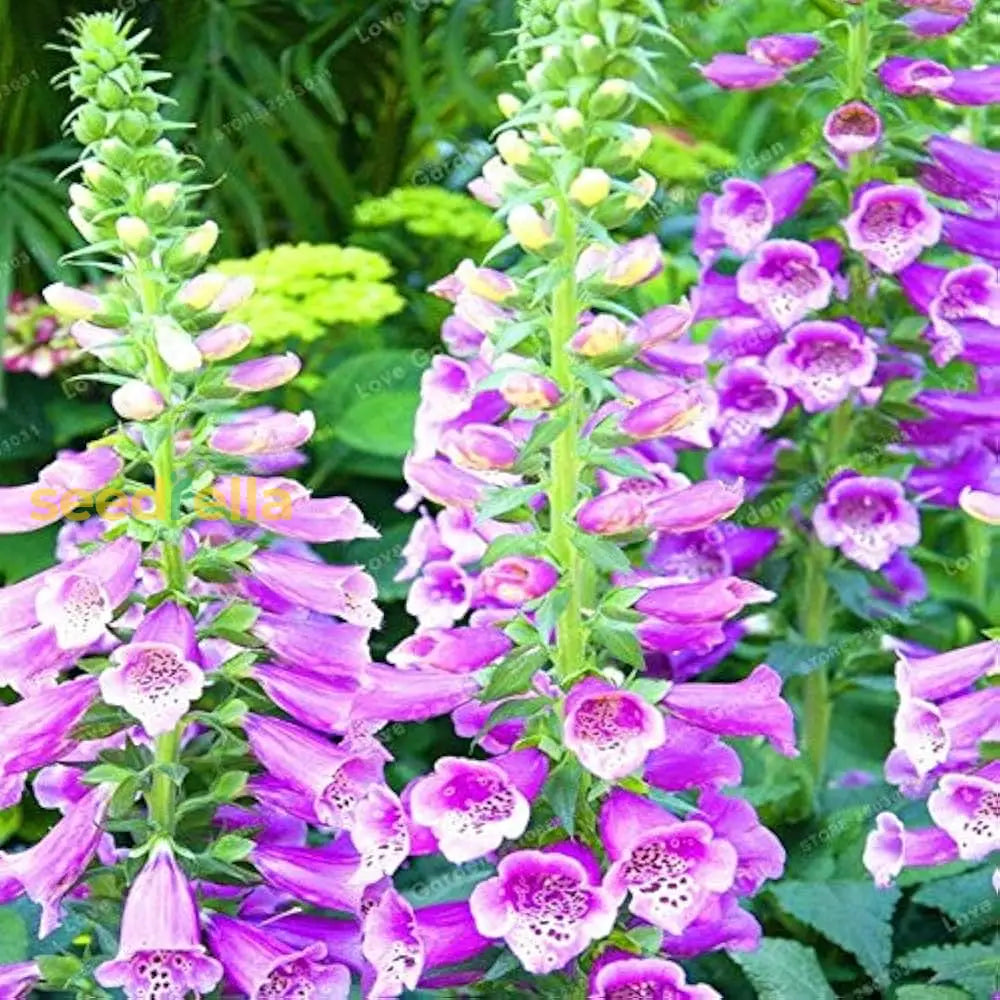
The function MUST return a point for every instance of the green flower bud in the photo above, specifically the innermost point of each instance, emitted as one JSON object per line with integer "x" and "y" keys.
{"x": 91, "y": 124}
{"x": 135, "y": 128}
{"x": 83, "y": 198}
{"x": 610, "y": 98}
{"x": 509, "y": 105}
{"x": 586, "y": 13}
{"x": 160, "y": 200}
{"x": 591, "y": 54}
{"x": 568, "y": 125}
{"x": 109, "y": 95}
{"x": 102, "y": 179}
{"x": 134, "y": 234}
{"x": 116, "y": 154}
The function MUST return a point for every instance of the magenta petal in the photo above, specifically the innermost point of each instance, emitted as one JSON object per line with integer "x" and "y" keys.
{"x": 732, "y": 71}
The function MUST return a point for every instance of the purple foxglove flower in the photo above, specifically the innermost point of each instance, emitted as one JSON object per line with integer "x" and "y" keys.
{"x": 891, "y": 225}
{"x": 671, "y": 869}
{"x": 645, "y": 977}
{"x": 266, "y": 435}
{"x": 472, "y": 806}
{"x": 262, "y": 374}
{"x": 47, "y": 871}
{"x": 784, "y": 281}
{"x": 663, "y": 325}
{"x": 160, "y": 949}
{"x": 328, "y": 876}
{"x": 380, "y": 834}
{"x": 222, "y": 342}
{"x": 442, "y": 482}
{"x": 156, "y": 676}
{"x": 457, "y": 650}
{"x": 37, "y": 730}
{"x": 751, "y": 707}
{"x": 743, "y": 336}
{"x": 623, "y": 265}
{"x": 410, "y": 695}
{"x": 970, "y": 167}
{"x": 440, "y": 596}
{"x": 908, "y": 77}
{"x": 261, "y": 968}
{"x": 701, "y": 601}
{"x": 783, "y": 50}
{"x": 723, "y": 923}
{"x": 529, "y": 392}
{"x": 17, "y": 981}
{"x": 610, "y": 730}
{"x": 981, "y": 505}
{"x": 744, "y": 214}
{"x": 967, "y": 808}
{"x": 602, "y": 335}
{"x": 335, "y": 778}
{"x": 35, "y": 505}
{"x": 821, "y": 361}
{"x": 544, "y": 905}
{"x": 890, "y": 848}
{"x": 287, "y": 508}
{"x": 695, "y": 507}
{"x": 515, "y": 580}
{"x": 663, "y": 415}
{"x": 393, "y": 945}
{"x": 692, "y": 758}
{"x": 135, "y": 400}
{"x": 616, "y": 513}
{"x": 312, "y": 641}
{"x": 868, "y": 518}
{"x": 321, "y": 699}
{"x": 852, "y": 128}
{"x": 759, "y": 854}
{"x": 942, "y": 675}
{"x": 733, "y": 71}
{"x": 750, "y": 400}
{"x": 480, "y": 447}
{"x": 928, "y": 22}
{"x": 977, "y": 237}
{"x": 345, "y": 591}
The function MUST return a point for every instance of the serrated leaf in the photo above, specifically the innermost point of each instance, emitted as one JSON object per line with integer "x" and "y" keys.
{"x": 781, "y": 969}
{"x": 967, "y": 900}
{"x": 503, "y": 501}
{"x": 619, "y": 639}
{"x": 14, "y": 937}
{"x": 930, "y": 993}
{"x": 855, "y": 916}
{"x": 604, "y": 554}
{"x": 975, "y": 967}
{"x": 562, "y": 792}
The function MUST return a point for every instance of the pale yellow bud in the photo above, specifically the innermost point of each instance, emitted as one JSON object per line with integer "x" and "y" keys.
{"x": 568, "y": 120}
{"x": 529, "y": 228}
{"x": 163, "y": 195}
{"x": 509, "y": 105}
{"x": 643, "y": 188}
{"x": 133, "y": 232}
{"x": 200, "y": 241}
{"x": 591, "y": 187}
{"x": 513, "y": 150}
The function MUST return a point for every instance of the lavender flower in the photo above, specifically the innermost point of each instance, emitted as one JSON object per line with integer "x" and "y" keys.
{"x": 891, "y": 225}
{"x": 868, "y": 518}
{"x": 785, "y": 281}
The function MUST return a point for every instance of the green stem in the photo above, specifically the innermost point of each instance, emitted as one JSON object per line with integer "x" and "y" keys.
{"x": 565, "y": 456}
{"x": 813, "y": 624}
{"x": 858, "y": 52}
{"x": 161, "y": 798}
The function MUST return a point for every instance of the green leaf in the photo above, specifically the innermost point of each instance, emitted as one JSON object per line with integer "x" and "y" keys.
{"x": 604, "y": 554}
{"x": 855, "y": 916}
{"x": 784, "y": 970}
{"x": 975, "y": 967}
{"x": 14, "y": 937}
{"x": 237, "y": 617}
{"x": 380, "y": 424}
{"x": 967, "y": 899}
{"x": 562, "y": 792}
{"x": 232, "y": 848}
{"x": 513, "y": 675}
{"x": 619, "y": 639}
{"x": 503, "y": 501}
{"x": 930, "y": 993}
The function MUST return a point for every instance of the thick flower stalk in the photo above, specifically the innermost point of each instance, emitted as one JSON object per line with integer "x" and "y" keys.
{"x": 822, "y": 326}
{"x": 573, "y": 573}
{"x": 149, "y": 667}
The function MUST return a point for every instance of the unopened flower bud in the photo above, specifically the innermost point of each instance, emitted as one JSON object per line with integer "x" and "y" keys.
{"x": 480, "y": 447}
{"x": 234, "y": 293}
{"x": 176, "y": 346}
{"x": 591, "y": 54}
{"x": 529, "y": 392}
{"x": 610, "y": 98}
{"x": 72, "y": 303}
{"x": 637, "y": 143}
{"x": 515, "y": 579}
{"x": 162, "y": 196}
{"x": 84, "y": 228}
{"x": 601, "y": 336}
{"x": 643, "y": 189}
{"x": 501, "y": 178}
{"x": 615, "y": 513}
{"x": 528, "y": 227}
{"x": 485, "y": 282}
{"x": 201, "y": 240}
{"x": 663, "y": 415}
{"x": 591, "y": 186}
{"x": 513, "y": 150}
{"x": 568, "y": 122}
{"x": 136, "y": 400}
{"x": 262, "y": 374}
{"x": 83, "y": 198}
{"x": 134, "y": 234}
{"x": 223, "y": 342}
{"x": 200, "y": 292}
{"x": 509, "y": 105}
